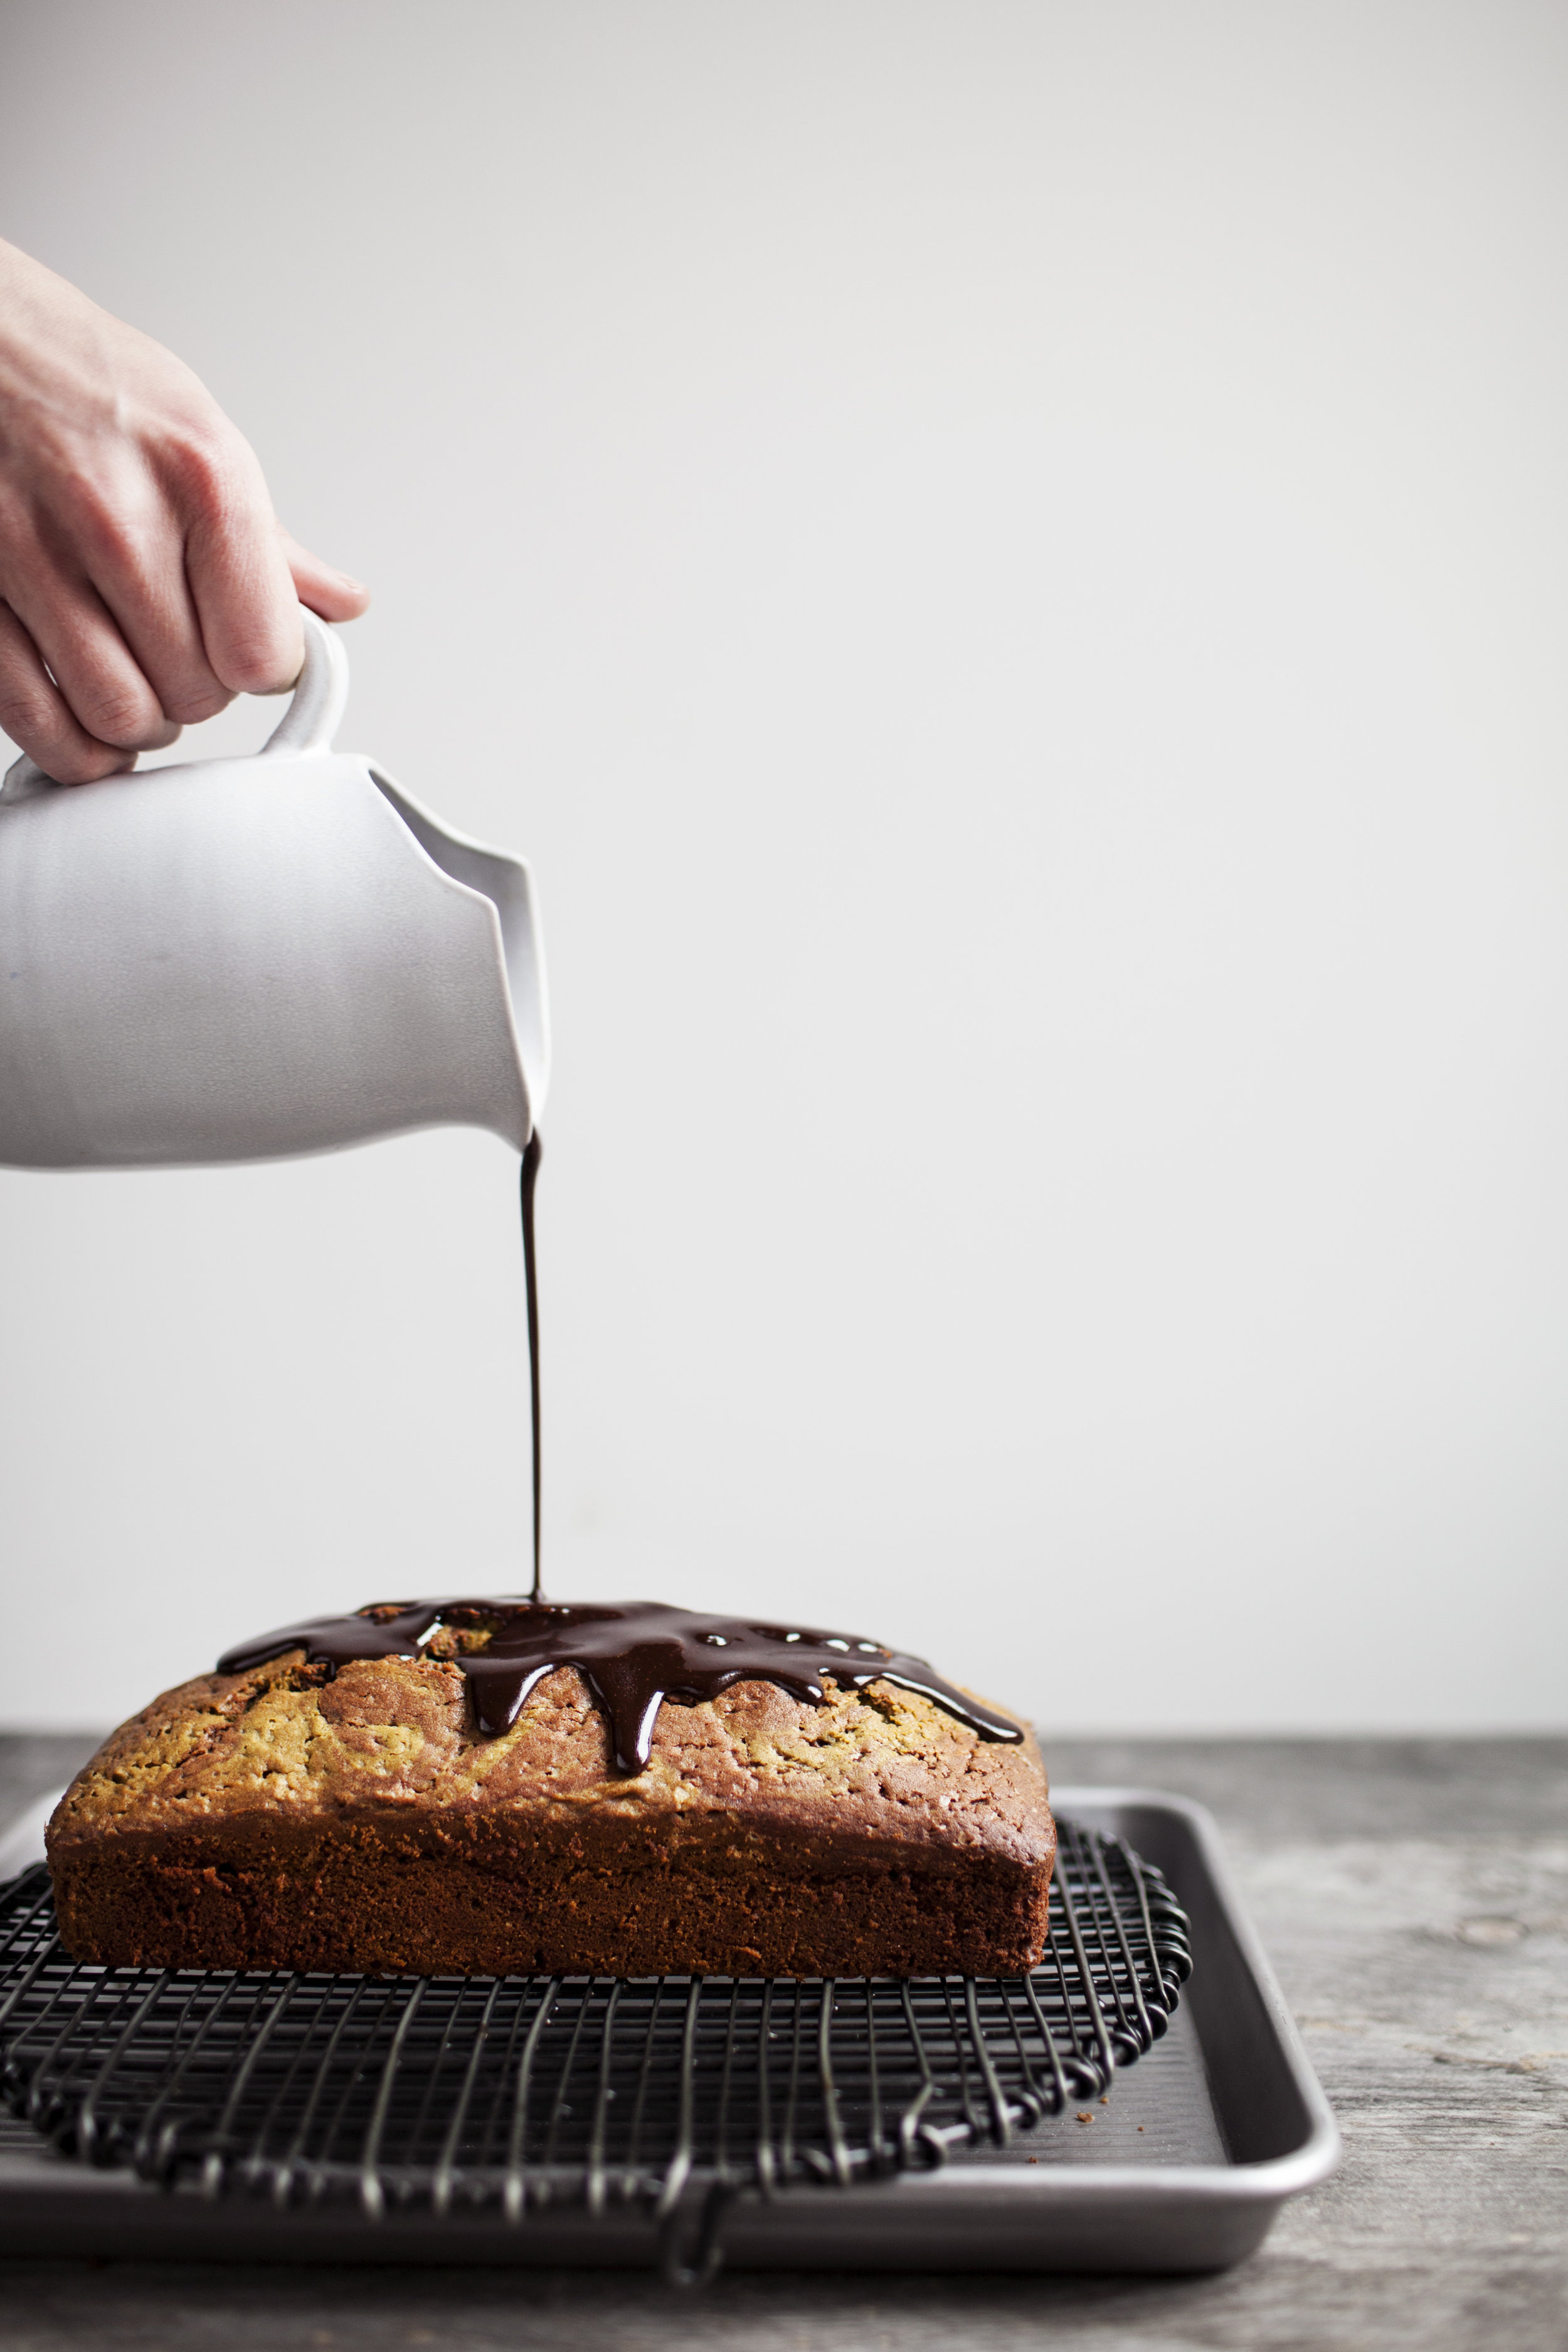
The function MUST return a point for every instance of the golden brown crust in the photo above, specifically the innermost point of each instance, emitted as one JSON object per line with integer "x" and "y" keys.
{"x": 280, "y": 1818}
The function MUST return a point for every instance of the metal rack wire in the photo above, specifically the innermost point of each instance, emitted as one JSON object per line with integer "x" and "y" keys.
{"x": 509, "y": 2094}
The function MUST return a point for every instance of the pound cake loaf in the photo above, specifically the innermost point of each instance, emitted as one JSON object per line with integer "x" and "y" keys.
{"x": 488, "y": 1787}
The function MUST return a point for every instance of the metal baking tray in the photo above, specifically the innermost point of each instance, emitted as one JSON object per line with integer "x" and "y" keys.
{"x": 1180, "y": 2166}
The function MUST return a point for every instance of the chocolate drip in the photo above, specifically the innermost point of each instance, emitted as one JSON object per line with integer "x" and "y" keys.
{"x": 530, "y": 1160}
{"x": 633, "y": 1656}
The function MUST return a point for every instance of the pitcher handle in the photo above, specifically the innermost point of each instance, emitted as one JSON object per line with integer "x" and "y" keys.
{"x": 321, "y": 690}
{"x": 308, "y": 725}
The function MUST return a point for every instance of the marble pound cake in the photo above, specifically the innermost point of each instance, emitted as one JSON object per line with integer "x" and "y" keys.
{"x": 357, "y": 1814}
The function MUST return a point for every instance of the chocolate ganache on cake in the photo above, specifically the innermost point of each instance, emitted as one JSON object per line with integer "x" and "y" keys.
{"x": 633, "y": 1656}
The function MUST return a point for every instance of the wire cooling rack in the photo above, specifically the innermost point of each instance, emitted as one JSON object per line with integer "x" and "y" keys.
{"x": 512, "y": 2092}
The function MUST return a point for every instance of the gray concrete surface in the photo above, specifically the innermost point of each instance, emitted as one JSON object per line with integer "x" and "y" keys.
{"x": 1413, "y": 1896}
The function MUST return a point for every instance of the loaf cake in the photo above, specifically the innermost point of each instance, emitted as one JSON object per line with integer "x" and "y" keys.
{"x": 463, "y": 1802}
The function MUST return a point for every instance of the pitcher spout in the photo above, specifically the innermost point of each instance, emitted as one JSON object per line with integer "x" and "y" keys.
{"x": 506, "y": 882}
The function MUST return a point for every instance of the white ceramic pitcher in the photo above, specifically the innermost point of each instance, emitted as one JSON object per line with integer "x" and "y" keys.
{"x": 246, "y": 959}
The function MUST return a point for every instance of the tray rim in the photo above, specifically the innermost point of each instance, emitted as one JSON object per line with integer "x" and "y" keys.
{"x": 1266, "y": 2180}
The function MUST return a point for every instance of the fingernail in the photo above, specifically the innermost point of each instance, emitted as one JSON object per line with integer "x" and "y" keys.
{"x": 357, "y": 586}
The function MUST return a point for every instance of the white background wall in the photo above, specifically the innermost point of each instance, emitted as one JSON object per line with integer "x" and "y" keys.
{"x": 1006, "y": 562}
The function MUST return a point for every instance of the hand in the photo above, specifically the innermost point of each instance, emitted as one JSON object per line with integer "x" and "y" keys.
{"x": 144, "y": 580}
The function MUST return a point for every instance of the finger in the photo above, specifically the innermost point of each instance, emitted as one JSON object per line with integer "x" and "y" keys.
{"x": 335, "y": 595}
{"x": 114, "y": 524}
{"x": 149, "y": 598}
{"x": 88, "y": 660}
{"x": 36, "y": 714}
{"x": 239, "y": 582}
{"x": 156, "y": 615}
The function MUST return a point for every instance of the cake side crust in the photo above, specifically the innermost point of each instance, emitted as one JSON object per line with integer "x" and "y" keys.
{"x": 372, "y": 1894}
{"x": 283, "y": 1819}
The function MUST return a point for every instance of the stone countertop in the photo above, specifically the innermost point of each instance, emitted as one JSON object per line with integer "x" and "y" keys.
{"x": 1413, "y": 1895}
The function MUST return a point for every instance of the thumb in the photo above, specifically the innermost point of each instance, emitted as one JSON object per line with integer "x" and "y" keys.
{"x": 331, "y": 593}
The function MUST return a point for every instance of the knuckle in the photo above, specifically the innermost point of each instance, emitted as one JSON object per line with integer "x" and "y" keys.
{"x": 201, "y": 703}
{"x": 29, "y": 716}
{"x": 205, "y": 470}
{"x": 109, "y": 523}
{"x": 109, "y": 539}
{"x": 50, "y": 740}
{"x": 119, "y": 715}
{"x": 255, "y": 665}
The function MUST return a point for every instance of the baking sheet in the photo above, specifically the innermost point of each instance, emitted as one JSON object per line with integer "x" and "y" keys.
{"x": 1182, "y": 2166}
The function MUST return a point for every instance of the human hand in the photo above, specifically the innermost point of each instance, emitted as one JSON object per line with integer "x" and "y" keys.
{"x": 144, "y": 580}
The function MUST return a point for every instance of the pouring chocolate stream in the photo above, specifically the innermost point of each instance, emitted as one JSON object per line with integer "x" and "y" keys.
{"x": 633, "y": 1654}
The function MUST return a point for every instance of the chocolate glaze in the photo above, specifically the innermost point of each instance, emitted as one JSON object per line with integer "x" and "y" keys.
{"x": 633, "y": 1656}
